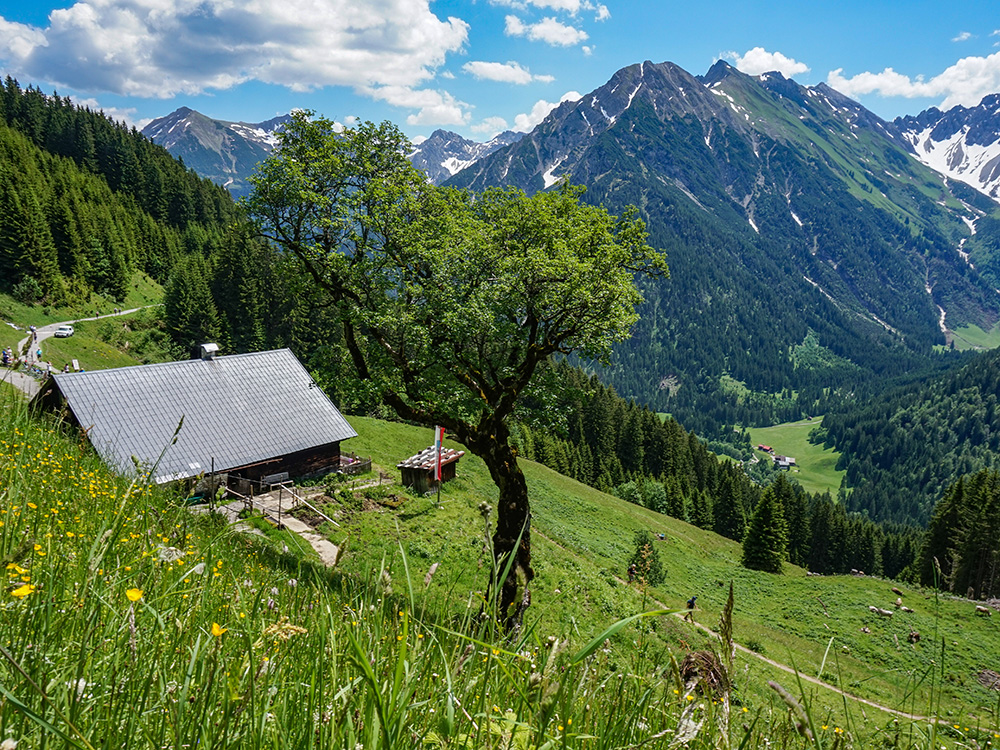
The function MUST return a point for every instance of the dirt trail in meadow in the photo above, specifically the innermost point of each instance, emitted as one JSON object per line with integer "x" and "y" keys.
{"x": 772, "y": 662}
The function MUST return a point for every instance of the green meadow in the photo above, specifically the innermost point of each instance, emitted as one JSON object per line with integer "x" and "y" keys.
{"x": 974, "y": 337}
{"x": 129, "y": 621}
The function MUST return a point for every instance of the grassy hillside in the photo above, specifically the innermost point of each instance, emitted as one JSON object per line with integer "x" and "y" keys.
{"x": 142, "y": 291}
{"x": 583, "y": 538}
{"x": 815, "y": 466}
{"x": 129, "y": 621}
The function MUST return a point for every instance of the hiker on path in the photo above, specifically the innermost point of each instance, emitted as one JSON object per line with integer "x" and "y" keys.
{"x": 633, "y": 571}
{"x": 690, "y": 607}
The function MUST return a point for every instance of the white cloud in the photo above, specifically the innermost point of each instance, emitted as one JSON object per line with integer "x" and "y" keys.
{"x": 491, "y": 125}
{"x": 603, "y": 14}
{"x": 528, "y": 120}
{"x": 966, "y": 82}
{"x": 587, "y": 50}
{"x": 548, "y": 30}
{"x": 160, "y": 48}
{"x": 19, "y": 39}
{"x": 117, "y": 114}
{"x": 434, "y": 107}
{"x": 962, "y": 36}
{"x": 568, "y": 6}
{"x": 758, "y": 60}
{"x": 510, "y": 72}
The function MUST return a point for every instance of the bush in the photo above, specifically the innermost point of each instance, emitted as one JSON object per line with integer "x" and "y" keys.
{"x": 646, "y": 559}
{"x": 28, "y": 290}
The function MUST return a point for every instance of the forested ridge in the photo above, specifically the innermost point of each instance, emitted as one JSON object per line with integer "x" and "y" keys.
{"x": 901, "y": 449}
{"x": 85, "y": 202}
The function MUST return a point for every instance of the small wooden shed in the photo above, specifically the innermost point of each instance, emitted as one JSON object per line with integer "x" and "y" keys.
{"x": 418, "y": 471}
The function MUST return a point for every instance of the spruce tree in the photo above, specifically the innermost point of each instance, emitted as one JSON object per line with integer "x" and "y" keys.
{"x": 729, "y": 519}
{"x": 766, "y": 540}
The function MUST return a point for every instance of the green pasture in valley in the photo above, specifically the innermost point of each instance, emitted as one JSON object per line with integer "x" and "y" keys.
{"x": 815, "y": 467}
{"x": 974, "y": 337}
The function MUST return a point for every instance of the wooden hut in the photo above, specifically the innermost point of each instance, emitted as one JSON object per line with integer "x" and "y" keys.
{"x": 418, "y": 471}
{"x": 245, "y": 415}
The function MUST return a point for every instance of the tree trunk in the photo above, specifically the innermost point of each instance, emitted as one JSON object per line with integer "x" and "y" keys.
{"x": 513, "y": 524}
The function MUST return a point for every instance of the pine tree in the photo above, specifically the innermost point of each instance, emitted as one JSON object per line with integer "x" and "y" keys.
{"x": 730, "y": 521}
{"x": 675, "y": 498}
{"x": 702, "y": 514}
{"x": 766, "y": 540}
{"x": 189, "y": 309}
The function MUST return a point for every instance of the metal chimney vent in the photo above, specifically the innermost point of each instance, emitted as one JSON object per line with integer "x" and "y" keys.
{"x": 208, "y": 351}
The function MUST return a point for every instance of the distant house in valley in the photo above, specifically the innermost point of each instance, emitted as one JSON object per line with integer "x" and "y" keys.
{"x": 244, "y": 415}
{"x": 418, "y": 471}
{"x": 783, "y": 462}
{"x": 765, "y": 448}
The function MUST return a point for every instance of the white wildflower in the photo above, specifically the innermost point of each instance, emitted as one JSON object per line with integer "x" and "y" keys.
{"x": 168, "y": 554}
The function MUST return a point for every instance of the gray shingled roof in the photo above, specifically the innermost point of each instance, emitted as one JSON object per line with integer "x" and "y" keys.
{"x": 427, "y": 458}
{"x": 239, "y": 410}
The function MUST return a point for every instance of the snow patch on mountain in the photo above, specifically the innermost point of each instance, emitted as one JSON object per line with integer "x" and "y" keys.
{"x": 445, "y": 154}
{"x": 962, "y": 143}
{"x": 550, "y": 177}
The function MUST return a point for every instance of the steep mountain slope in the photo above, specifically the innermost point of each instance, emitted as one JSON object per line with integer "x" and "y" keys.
{"x": 85, "y": 203}
{"x": 808, "y": 249}
{"x": 445, "y": 154}
{"x": 224, "y": 152}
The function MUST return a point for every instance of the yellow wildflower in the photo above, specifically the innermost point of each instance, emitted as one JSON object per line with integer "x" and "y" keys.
{"x": 134, "y": 595}
{"x": 23, "y": 591}
{"x": 218, "y": 630}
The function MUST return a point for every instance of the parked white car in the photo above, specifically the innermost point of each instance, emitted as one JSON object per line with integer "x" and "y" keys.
{"x": 64, "y": 332}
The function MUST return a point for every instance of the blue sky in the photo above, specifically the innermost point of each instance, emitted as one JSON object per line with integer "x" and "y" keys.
{"x": 479, "y": 66}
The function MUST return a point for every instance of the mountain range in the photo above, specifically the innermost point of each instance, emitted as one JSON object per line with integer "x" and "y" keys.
{"x": 444, "y": 154}
{"x": 224, "y": 152}
{"x": 808, "y": 247}
{"x": 815, "y": 248}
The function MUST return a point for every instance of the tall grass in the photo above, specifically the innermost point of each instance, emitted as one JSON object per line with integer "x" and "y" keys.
{"x": 127, "y": 621}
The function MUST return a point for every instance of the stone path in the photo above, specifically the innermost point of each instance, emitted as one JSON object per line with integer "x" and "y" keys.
{"x": 22, "y": 381}
{"x": 268, "y": 504}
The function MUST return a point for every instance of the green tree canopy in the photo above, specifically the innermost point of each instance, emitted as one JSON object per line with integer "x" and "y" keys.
{"x": 449, "y": 302}
{"x": 766, "y": 541}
